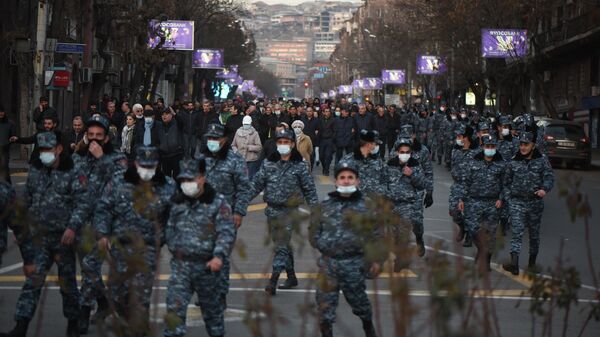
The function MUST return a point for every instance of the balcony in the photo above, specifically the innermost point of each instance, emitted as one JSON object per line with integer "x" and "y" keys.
{"x": 571, "y": 33}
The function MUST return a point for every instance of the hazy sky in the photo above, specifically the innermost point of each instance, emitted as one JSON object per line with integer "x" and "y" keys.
{"x": 293, "y": 2}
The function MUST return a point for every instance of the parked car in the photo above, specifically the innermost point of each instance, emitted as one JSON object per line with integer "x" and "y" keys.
{"x": 566, "y": 143}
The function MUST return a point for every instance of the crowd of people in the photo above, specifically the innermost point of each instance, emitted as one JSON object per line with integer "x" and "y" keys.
{"x": 120, "y": 183}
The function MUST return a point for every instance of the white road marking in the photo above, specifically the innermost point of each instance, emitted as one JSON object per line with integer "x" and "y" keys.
{"x": 11, "y": 267}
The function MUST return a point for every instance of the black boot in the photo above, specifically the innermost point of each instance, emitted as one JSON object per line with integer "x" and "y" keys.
{"x": 489, "y": 262}
{"x": 291, "y": 281}
{"x": 20, "y": 330}
{"x": 326, "y": 330}
{"x": 103, "y": 309}
{"x": 460, "y": 235}
{"x": 84, "y": 319}
{"x": 73, "y": 328}
{"x": 513, "y": 266}
{"x": 369, "y": 328}
{"x": 531, "y": 266}
{"x": 271, "y": 288}
{"x": 420, "y": 246}
{"x": 468, "y": 240}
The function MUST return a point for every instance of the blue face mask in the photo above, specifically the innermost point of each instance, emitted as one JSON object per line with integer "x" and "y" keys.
{"x": 47, "y": 158}
{"x": 213, "y": 145}
{"x": 489, "y": 152}
{"x": 284, "y": 149}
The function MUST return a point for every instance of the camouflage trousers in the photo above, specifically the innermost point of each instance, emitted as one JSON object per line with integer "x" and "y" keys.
{"x": 51, "y": 251}
{"x": 187, "y": 277}
{"x": 453, "y": 200}
{"x": 448, "y": 152}
{"x": 90, "y": 261}
{"x": 482, "y": 214}
{"x": 281, "y": 226}
{"x": 417, "y": 215}
{"x": 225, "y": 270}
{"x": 130, "y": 281}
{"x": 525, "y": 213}
{"x": 400, "y": 229}
{"x": 347, "y": 275}
{"x": 3, "y": 237}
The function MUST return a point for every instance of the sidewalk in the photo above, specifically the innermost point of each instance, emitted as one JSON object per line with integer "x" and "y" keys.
{"x": 596, "y": 157}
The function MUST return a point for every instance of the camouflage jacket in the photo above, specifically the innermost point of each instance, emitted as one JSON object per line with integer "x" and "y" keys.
{"x": 400, "y": 187}
{"x": 421, "y": 153}
{"x": 507, "y": 148}
{"x": 200, "y": 228}
{"x": 7, "y": 214}
{"x": 128, "y": 211}
{"x": 99, "y": 171}
{"x": 371, "y": 172}
{"x": 345, "y": 227}
{"x": 285, "y": 183}
{"x": 526, "y": 176}
{"x": 483, "y": 179}
{"x": 226, "y": 172}
{"x": 57, "y": 199}
{"x": 460, "y": 161}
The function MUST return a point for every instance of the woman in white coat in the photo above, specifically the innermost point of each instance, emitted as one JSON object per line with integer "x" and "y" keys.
{"x": 247, "y": 143}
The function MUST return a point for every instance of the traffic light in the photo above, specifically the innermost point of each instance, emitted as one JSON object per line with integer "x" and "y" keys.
{"x": 306, "y": 84}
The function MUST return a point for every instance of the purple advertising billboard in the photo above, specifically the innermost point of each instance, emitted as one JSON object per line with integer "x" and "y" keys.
{"x": 238, "y": 80}
{"x": 503, "y": 43}
{"x": 332, "y": 93}
{"x": 247, "y": 85}
{"x": 430, "y": 65}
{"x": 177, "y": 35}
{"x": 345, "y": 89}
{"x": 393, "y": 76}
{"x": 208, "y": 59}
{"x": 228, "y": 73}
{"x": 369, "y": 83}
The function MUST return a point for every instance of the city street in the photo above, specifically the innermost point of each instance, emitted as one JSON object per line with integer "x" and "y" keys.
{"x": 292, "y": 312}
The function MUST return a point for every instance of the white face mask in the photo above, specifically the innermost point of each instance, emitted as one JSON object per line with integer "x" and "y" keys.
{"x": 375, "y": 150}
{"x": 489, "y": 152}
{"x": 453, "y": 117}
{"x": 277, "y": 112}
{"x": 337, "y": 114}
{"x": 460, "y": 142}
{"x": 148, "y": 120}
{"x": 284, "y": 149}
{"x": 297, "y": 131}
{"x": 47, "y": 158}
{"x": 146, "y": 173}
{"x": 404, "y": 157}
{"x": 346, "y": 189}
{"x": 505, "y": 131}
{"x": 190, "y": 188}
{"x": 246, "y": 126}
{"x": 463, "y": 116}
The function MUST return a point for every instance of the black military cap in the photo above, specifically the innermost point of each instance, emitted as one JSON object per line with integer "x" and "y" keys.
{"x": 483, "y": 126}
{"x": 504, "y": 120}
{"x": 190, "y": 168}
{"x": 147, "y": 155}
{"x": 526, "y": 137}
{"x": 402, "y": 141}
{"x": 460, "y": 129}
{"x": 369, "y": 136}
{"x": 343, "y": 165}
{"x": 287, "y": 134}
{"x": 98, "y": 120}
{"x": 489, "y": 140}
{"x": 46, "y": 140}
{"x": 215, "y": 131}
{"x": 407, "y": 128}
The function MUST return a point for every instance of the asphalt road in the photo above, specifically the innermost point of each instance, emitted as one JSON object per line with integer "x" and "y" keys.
{"x": 504, "y": 309}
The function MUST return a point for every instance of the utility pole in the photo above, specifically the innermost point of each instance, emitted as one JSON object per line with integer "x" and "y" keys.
{"x": 88, "y": 39}
{"x": 38, "y": 60}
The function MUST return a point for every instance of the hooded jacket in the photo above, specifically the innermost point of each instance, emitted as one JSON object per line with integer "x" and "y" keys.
{"x": 247, "y": 143}
{"x": 399, "y": 187}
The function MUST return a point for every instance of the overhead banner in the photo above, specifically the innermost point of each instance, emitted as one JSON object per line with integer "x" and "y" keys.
{"x": 178, "y": 35}
{"x": 236, "y": 81}
{"x": 430, "y": 65}
{"x": 345, "y": 90}
{"x": 228, "y": 73}
{"x": 208, "y": 59}
{"x": 393, "y": 76}
{"x": 332, "y": 94}
{"x": 369, "y": 83}
{"x": 503, "y": 43}
{"x": 247, "y": 85}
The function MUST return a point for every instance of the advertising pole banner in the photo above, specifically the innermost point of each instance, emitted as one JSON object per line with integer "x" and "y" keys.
{"x": 345, "y": 89}
{"x": 503, "y": 43}
{"x": 208, "y": 59}
{"x": 178, "y": 35}
{"x": 393, "y": 76}
{"x": 430, "y": 65}
{"x": 228, "y": 73}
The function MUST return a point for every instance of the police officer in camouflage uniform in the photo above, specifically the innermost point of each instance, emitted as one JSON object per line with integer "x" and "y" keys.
{"x": 99, "y": 162}
{"x": 344, "y": 231}
{"x": 481, "y": 192}
{"x": 285, "y": 179}
{"x": 423, "y": 125}
{"x": 369, "y": 164}
{"x": 56, "y": 200}
{"x": 465, "y": 149}
{"x": 437, "y": 136}
{"x": 507, "y": 149}
{"x": 129, "y": 220}
{"x": 227, "y": 173}
{"x": 421, "y": 154}
{"x": 449, "y": 137}
{"x": 529, "y": 178}
{"x": 403, "y": 184}
{"x": 200, "y": 234}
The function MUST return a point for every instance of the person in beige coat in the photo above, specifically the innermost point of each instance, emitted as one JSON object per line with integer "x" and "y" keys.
{"x": 247, "y": 143}
{"x": 303, "y": 142}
